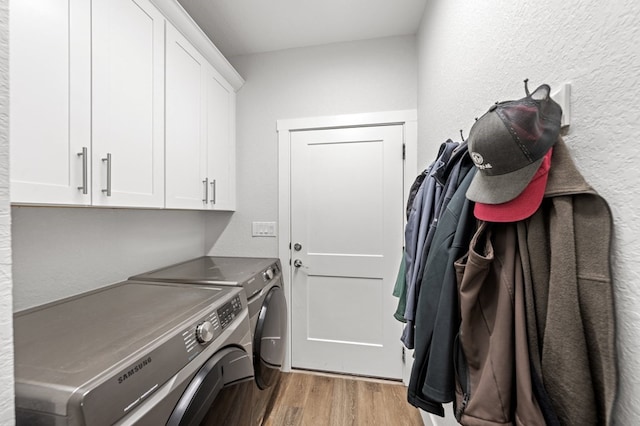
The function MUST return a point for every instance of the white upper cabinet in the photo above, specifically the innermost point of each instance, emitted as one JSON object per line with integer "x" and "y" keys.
{"x": 89, "y": 107}
{"x": 221, "y": 154}
{"x": 186, "y": 162}
{"x": 128, "y": 103}
{"x": 200, "y": 123}
{"x": 50, "y": 94}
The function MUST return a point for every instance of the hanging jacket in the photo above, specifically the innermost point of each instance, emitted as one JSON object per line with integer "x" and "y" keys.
{"x": 447, "y": 178}
{"x": 432, "y": 380}
{"x": 494, "y": 384}
{"x": 400, "y": 287}
{"x": 541, "y": 394}
{"x": 570, "y": 310}
{"x": 426, "y": 206}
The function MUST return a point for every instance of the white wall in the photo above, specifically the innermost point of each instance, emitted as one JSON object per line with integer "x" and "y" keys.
{"x": 365, "y": 76}
{"x": 472, "y": 54}
{"x": 59, "y": 252}
{"x": 6, "y": 318}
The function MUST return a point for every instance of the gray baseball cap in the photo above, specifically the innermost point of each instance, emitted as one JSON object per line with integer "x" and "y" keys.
{"x": 508, "y": 143}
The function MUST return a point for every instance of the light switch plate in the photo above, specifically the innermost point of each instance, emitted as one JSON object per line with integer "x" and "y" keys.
{"x": 263, "y": 229}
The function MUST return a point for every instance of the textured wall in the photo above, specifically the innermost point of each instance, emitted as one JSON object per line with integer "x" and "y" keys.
{"x": 344, "y": 78}
{"x": 472, "y": 54}
{"x": 6, "y": 324}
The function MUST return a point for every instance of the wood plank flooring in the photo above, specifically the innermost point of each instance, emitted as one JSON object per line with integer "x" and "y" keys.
{"x": 306, "y": 399}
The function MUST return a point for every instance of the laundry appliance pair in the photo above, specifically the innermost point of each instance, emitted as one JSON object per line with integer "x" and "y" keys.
{"x": 200, "y": 342}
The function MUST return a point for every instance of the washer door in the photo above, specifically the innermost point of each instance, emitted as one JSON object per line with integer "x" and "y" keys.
{"x": 269, "y": 339}
{"x": 227, "y": 366}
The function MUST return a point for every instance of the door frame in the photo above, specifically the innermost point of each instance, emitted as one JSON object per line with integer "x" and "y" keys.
{"x": 407, "y": 118}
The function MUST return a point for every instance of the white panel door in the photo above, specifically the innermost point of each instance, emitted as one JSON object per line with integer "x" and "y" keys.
{"x": 128, "y": 103}
{"x": 186, "y": 175}
{"x": 221, "y": 149}
{"x": 347, "y": 216}
{"x": 50, "y": 101}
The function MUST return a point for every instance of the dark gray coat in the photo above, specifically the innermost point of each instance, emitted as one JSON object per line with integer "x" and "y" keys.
{"x": 432, "y": 378}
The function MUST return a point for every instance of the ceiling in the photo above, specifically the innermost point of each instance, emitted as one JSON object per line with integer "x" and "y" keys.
{"x": 240, "y": 27}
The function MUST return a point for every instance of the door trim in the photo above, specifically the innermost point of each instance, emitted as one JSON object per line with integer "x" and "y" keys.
{"x": 407, "y": 118}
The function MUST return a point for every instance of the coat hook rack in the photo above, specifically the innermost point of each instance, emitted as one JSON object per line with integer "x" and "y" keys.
{"x": 562, "y": 96}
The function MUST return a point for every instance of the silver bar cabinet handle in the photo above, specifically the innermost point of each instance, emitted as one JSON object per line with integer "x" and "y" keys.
{"x": 206, "y": 190}
{"x": 108, "y": 161}
{"x": 83, "y": 154}
{"x": 213, "y": 191}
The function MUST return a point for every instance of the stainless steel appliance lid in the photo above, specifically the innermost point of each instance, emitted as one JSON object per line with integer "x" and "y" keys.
{"x": 211, "y": 270}
{"x": 68, "y": 343}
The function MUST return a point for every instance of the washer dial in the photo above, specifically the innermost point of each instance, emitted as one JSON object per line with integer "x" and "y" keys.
{"x": 204, "y": 332}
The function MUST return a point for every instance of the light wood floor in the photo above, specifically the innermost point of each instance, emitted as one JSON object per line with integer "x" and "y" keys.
{"x": 305, "y": 399}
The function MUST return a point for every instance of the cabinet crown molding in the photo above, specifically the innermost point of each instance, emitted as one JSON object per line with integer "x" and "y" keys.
{"x": 179, "y": 17}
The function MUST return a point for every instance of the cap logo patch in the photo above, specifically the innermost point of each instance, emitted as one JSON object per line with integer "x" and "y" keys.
{"x": 479, "y": 161}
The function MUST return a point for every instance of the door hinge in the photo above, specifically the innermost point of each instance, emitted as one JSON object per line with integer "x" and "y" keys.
{"x": 404, "y": 151}
{"x": 404, "y": 356}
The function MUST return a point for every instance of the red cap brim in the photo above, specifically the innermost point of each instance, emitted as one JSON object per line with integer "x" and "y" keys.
{"x": 524, "y": 205}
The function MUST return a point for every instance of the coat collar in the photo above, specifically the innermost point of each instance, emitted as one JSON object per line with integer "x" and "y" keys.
{"x": 564, "y": 177}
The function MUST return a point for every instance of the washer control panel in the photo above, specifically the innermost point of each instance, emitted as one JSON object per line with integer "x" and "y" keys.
{"x": 211, "y": 326}
{"x": 201, "y": 333}
{"x": 229, "y": 311}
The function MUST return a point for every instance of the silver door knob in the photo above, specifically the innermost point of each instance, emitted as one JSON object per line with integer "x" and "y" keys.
{"x": 297, "y": 263}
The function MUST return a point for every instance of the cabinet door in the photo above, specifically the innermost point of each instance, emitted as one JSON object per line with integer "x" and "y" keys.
{"x": 128, "y": 103}
{"x": 221, "y": 154}
{"x": 50, "y": 101}
{"x": 187, "y": 185}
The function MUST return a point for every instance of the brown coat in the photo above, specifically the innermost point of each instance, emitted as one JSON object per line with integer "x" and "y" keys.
{"x": 494, "y": 375}
{"x": 565, "y": 249}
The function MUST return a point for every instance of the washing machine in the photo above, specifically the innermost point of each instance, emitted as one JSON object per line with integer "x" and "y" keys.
{"x": 138, "y": 353}
{"x": 261, "y": 280}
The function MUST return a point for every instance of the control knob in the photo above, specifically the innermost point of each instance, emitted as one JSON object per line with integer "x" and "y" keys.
{"x": 204, "y": 332}
{"x": 268, "y": 274}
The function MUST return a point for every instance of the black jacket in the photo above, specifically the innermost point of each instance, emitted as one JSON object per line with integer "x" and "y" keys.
{"x": 437, "y": 320}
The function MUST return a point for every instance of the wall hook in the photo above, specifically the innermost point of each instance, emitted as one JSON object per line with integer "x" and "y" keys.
{"x": 526, "y": 86}
{"x": 461, "y": 135}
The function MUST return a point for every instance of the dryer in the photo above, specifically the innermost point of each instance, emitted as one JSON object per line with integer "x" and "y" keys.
{"x": 131, "y": 353}
{"x": 261, "y": 279}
